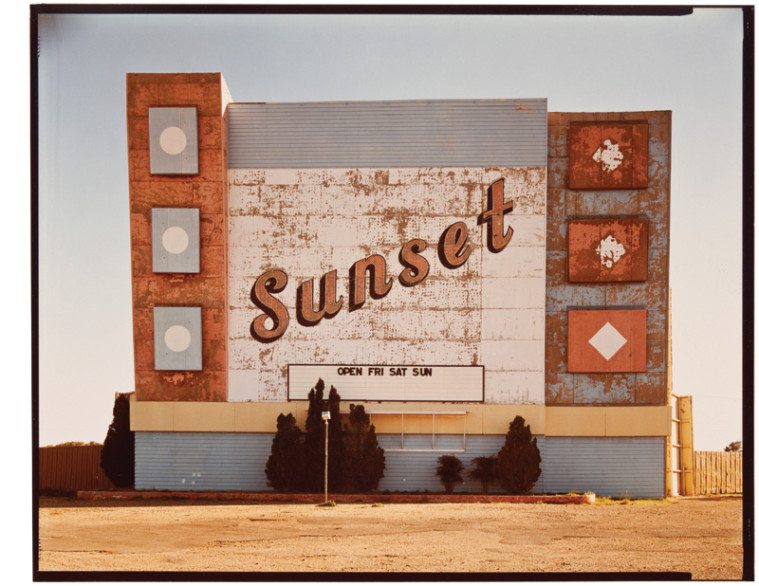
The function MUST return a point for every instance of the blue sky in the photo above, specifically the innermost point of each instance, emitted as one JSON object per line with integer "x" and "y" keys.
{"x": 690, "y": 65}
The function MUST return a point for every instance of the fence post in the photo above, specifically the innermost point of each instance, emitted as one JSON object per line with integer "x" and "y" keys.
{"x": 685, "y": 428}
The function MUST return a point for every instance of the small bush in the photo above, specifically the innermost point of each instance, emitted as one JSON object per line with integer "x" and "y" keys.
{"x": 284, "y": 469}
{"x": 449, "y": 471}
{"x": 313, "y": 441}
{"x": 485, "y": 471}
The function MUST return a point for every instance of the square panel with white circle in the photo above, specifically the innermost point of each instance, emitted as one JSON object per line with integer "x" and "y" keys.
{"x": 176, "y": 240}
{"x": 173, "y": 141}
{"x": 178, "y": 338}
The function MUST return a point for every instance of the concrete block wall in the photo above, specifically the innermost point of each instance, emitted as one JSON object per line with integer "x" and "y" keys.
{"x": 207, "y": 191}
{"x": 649, "y": 388}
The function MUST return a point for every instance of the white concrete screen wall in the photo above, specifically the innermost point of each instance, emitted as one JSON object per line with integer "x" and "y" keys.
{"x": 306, "y": 222}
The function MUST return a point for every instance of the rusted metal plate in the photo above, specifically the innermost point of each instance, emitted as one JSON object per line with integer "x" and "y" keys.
{"x": 564, "y": 205}
{"x": 608, "y": 155}
{"x": 612, "y": 340}
{"x": 602, "y": 250}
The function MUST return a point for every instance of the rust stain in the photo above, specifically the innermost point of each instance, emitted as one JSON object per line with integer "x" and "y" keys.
{"x": 607, "y": 250}
{"x": 564, "y": 206}
{"x": 208, "y": 192}
{"x": 608, "y": 155}
{"x": 382, "y": 177}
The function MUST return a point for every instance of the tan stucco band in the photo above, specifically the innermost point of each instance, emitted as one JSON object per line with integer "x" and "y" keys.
{"x": 478, "y": 419}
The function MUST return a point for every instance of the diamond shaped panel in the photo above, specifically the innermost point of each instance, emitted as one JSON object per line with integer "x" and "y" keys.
{"x": 608, "y": 341}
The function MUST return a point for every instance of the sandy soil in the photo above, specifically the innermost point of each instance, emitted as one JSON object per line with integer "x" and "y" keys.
{"x": 697, "y": 535}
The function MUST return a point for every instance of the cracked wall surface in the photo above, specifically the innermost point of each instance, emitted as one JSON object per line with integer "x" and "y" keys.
{"x": 306, "y": 222}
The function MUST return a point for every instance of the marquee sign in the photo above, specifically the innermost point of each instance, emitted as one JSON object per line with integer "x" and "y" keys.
{"x": 453, "y": 251}
{"x": 407, "y": 267}
{"x": 363, "y": 382}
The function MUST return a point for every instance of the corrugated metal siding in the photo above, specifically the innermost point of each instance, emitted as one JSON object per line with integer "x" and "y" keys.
{"x": 201, "y": 461}
{"x": 237, "y": 461}
{"x": 439, "y": 133}
{"x": 618, "y": 466}
{"x": 415, "y": 471}
{"x": 72, "y": 468}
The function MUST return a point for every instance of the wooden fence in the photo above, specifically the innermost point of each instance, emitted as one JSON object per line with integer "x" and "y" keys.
{"x": 718, "y": 472}
{"x": 70, "y": 468}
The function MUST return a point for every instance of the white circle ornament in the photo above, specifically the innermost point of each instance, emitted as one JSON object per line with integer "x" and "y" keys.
{"x": 177, "y": 338}
{"x": 175, "y": 240}
{"x": 172, "y": 140}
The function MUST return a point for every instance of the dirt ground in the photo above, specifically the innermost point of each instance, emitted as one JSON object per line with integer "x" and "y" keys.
{"x": 698, "y": 535}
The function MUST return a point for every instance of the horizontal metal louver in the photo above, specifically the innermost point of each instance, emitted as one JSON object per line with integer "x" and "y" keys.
{"x": 608, "y": 466}
{"x": 623, "y": 466}
{"x": 423, "y": 133}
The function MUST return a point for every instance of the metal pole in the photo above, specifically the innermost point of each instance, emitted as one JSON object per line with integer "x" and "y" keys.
{"x": 326, "y": 457}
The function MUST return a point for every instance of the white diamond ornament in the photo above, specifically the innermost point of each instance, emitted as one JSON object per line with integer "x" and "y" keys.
{"x": 609, "y": 251}
{"x": 608, "y": 341}
{"x": 608, "y": 156}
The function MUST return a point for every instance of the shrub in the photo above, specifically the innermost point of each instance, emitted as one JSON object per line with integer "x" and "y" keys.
{"x": 363, "y": 460}
{"x": 449, "y": 471}
{"x": 519, "y": 459}
{"x": 485, "y": 471}
{"x": 117, "y": 456}
{"x": 284, "y": 469}
{"x": 313, "y": 446}
{"x": 335, "y": 442}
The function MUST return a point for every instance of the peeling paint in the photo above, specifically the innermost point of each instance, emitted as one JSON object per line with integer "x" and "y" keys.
{"x": 630, "y": 203}
{"x": 609, "y": 251}
{"x": 326, "y": 219}
{"x": 608, "y": 156}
